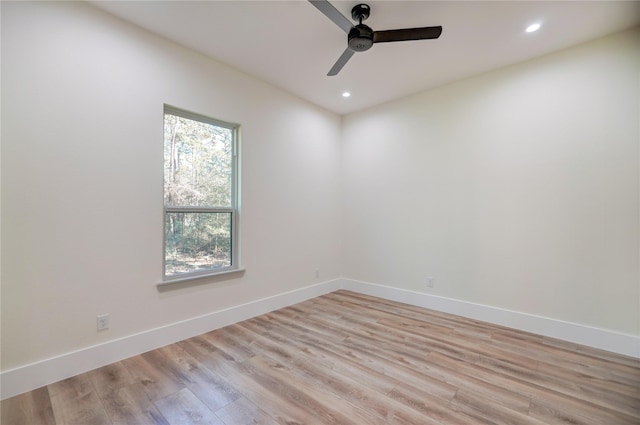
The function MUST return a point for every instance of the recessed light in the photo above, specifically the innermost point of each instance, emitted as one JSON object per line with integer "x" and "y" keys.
{"x": 346, "y": 94}
{"x": 533, "y": 27}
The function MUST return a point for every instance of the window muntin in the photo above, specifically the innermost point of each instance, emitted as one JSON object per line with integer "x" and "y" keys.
{"x": 200, "y": 195}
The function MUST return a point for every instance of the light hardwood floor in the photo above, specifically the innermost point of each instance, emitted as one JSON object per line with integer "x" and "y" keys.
{"x": 346, "y": 358}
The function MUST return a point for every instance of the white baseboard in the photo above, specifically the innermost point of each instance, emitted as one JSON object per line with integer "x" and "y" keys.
{"x": 580, "y": 334}
{"x": 35, "y": 375}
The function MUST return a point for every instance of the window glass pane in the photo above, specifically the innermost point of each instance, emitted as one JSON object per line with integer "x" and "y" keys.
{"x": 197, "y": 241}
{"x": 197, "y": 163}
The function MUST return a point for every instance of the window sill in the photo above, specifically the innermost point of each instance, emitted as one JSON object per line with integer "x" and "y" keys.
{"x": 209, "y": 277}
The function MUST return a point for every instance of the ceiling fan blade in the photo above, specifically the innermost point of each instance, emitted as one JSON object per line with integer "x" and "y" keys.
{"x": 406, "y": 34}
{"x": 342, "y": 60}
{"x": 332, "y": 13}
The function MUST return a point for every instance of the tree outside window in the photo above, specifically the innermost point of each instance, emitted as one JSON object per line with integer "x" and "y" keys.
{"x": 199, "y": 194}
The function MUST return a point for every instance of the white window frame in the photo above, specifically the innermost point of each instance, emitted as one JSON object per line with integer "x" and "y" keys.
{"x": 233, "y": 210}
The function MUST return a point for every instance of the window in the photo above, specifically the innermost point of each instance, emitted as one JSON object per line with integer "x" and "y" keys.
{"x": 200, "y": 195}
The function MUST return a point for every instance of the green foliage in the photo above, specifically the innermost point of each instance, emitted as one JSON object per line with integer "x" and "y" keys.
{"x": 197, "y": 241}
{"x": 197, "y": 163}
{"x": 197, "y": 173}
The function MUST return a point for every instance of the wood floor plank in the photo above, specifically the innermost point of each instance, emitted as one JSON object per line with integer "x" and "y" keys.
{"x": 558, "y": 408}
{"x": 320, "y": 352}
{"x": 484, "y": 410}
{"x": 243, "y": 378}
{"x": 32, "y": 408}
{"x": 403, "y": 372}
{"x": 432, "y": 410}
{"x": 588, "y": 392}
{"x": 514, "y": 395}
{"x": 384, "y": 407}
{"x": 525, "y": 402}
{"x": 349, "y": 358}
{"x": 577, "y": 362}
{"x": 155, "y": 381}
{"x": 75, "y": 401}
{"x": 110, "y": 378}
{"x": 184, "y": 408}
{"x": 326, "y": 407}
{"x": 231, "y": 344}
{"x": 242, "y": 411}
{"x": 596, "y": 390}
{"x": 336, "y": 383}
{"x": 211, "y": 389}
{"x": 321, "y": 373}
{"x": 129, "y": 404}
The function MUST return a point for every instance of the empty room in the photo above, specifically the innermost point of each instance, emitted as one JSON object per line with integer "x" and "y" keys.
{"x": 320, "y": 212}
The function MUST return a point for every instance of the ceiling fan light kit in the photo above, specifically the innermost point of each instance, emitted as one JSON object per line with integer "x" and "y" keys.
{"x": 361, "y": 37}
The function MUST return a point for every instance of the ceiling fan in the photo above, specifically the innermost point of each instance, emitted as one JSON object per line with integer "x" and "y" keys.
{"x": 361, "y": 37}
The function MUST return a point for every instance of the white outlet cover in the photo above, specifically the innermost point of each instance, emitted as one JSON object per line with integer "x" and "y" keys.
{"x": 103, "y": 322}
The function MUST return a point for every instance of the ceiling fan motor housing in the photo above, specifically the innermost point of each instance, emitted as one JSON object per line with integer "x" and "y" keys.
{"x": 360, "y": 38}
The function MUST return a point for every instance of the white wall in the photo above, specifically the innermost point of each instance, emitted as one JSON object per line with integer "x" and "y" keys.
{"x": 82, "y": 110}
{"x": 517, "y": 189}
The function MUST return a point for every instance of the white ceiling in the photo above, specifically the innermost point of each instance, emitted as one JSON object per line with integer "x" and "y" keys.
{"x": 290, "y": 44}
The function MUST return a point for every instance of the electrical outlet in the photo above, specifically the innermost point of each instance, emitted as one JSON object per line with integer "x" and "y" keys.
{"x": 317, "y": 273}
{"x": 430, "y": 282}
{"x": 103, "y": 322}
